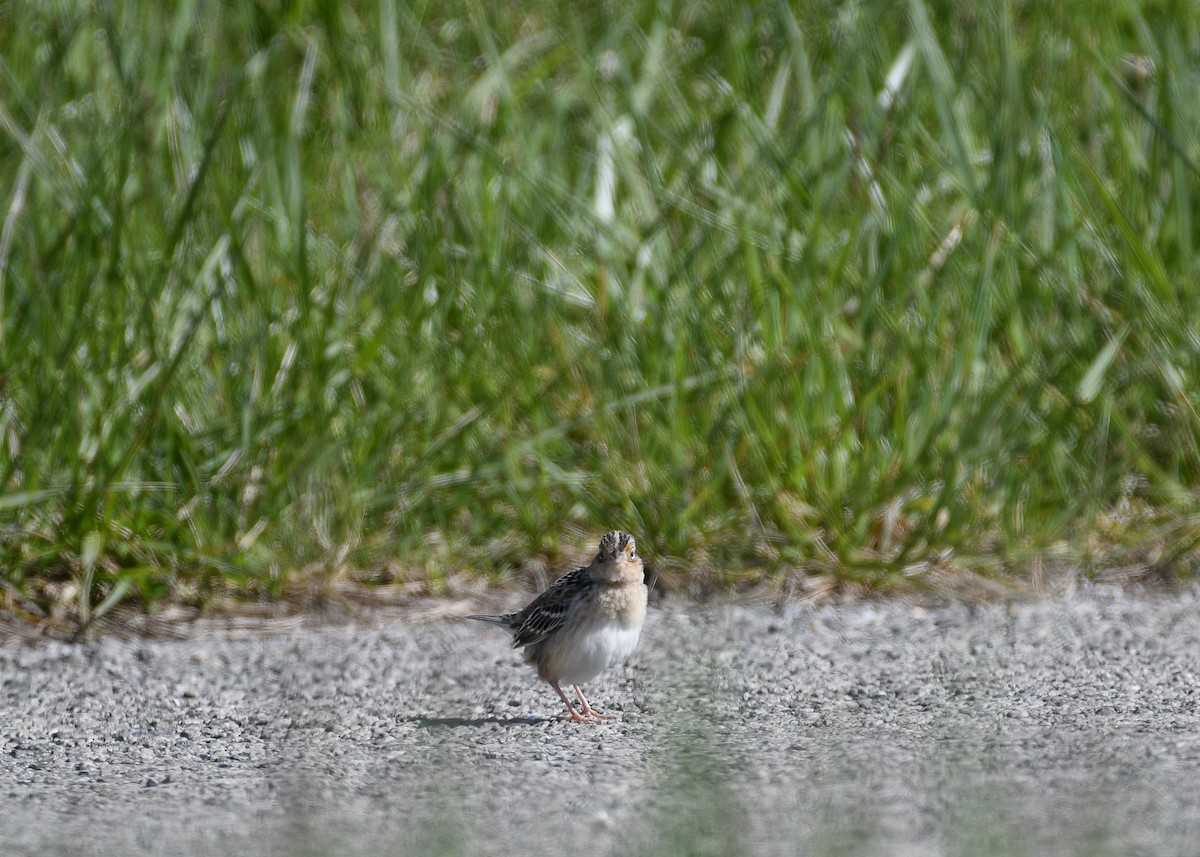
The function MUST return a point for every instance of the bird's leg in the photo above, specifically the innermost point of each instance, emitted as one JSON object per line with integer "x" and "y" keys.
{"x": 571, "y": 708}
{"x": 588, "y": 711}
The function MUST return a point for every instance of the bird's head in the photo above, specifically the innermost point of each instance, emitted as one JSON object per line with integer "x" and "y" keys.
{"x": 618, "y": 555}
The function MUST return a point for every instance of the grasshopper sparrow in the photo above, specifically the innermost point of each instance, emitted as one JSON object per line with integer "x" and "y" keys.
{"x": 588, "y": 621}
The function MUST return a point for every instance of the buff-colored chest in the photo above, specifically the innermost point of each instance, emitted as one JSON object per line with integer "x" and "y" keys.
{"x": 625, "y": 602}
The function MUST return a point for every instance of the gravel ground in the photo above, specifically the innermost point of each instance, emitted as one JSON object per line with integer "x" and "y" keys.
{"x": 1062, "y": 726}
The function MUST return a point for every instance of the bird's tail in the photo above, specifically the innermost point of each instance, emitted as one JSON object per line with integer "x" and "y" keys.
{"x": 505, "y": 620}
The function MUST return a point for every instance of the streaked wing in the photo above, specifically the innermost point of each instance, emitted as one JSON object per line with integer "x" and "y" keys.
{"x": 546, "y": 613}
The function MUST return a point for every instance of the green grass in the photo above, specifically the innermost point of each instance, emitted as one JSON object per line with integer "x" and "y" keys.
{"x": 379, "y": 291}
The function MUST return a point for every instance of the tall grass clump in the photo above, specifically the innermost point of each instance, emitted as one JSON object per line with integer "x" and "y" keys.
{"x": 833, "y": 291}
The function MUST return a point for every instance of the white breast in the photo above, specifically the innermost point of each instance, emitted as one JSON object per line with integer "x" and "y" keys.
{"x": 595, "y": 649}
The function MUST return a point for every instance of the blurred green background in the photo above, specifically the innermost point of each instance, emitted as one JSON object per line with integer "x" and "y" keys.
{"x": 867, "y": 293}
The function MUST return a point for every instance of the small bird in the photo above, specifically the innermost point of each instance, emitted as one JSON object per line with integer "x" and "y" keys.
{"x": 588, "y": 621}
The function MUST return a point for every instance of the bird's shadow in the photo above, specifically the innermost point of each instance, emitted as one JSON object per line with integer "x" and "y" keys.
{"x": 476, "y": 722}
